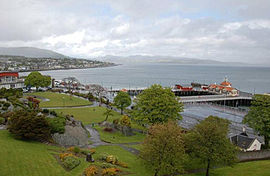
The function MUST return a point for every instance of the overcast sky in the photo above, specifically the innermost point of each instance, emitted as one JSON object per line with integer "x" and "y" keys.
{"x": 225, "y": 30}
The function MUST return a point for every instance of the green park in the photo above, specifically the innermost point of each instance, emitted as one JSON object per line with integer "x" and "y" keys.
{"x": 143, "y": 141}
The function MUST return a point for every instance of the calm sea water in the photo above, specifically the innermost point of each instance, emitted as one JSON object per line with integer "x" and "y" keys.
{"x": 249, "y": 79}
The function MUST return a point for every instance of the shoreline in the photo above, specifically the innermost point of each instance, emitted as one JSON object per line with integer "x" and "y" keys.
{"x": 104, "y": 66}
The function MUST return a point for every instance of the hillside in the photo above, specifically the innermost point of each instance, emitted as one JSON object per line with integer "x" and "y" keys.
{"x": 163, "y": 59}
{"x": 30, "y": 52}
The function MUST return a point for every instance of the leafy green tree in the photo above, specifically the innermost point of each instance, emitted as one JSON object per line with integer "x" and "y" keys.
{"x": 258, "y": 117}
{"x": 157, "y": 105}
{"x": 163, "y": 149}
{"x": 36, "y": 79}
{"x": 108, "y": 113}
{"x": 209, "y": 143}
{"x": 122, "y": 100}
{"x": 28, "y": 125}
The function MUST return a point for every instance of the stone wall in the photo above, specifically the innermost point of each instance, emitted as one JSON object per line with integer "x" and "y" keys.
{"x": 254, "y": 155}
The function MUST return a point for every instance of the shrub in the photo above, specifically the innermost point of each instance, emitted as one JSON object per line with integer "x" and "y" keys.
{"x": 122, "y": 164}
{"x": 125, "y": 121}
{"x": 76, "y": 150}
{"x": 105, "y": 165}
{"x": 70, "y": 162}
{"x": 57, "y": 124}
{"x": 110, "y": 171}
{"x": 6, "y": 104}
{"x": 27, "y": 125}
{"x": 91, "y": 171}
{"x": 111, "y": 159}
{"x": 116, "y": 121}
{"x": 107, "y": 129}
{"x": 53, "y": 113}
{"x": 62, "y": 156}
{"x": 91, "y": 151}
{"x": 2, "y": 120}
{"x": 45, "y": 111}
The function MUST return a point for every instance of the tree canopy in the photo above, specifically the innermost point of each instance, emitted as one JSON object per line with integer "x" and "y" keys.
{"x": 36, "y": 79}
{"x": 28, "y": 125}
{"x": 209, "y": 143}
{"x": 122, "y": 100}
{"x": 163, "y": 149}
{"x": 258, "y": 116}
{"x": 157, "y": 105}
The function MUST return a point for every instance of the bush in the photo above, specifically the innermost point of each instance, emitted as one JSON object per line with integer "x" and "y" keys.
{"x": 110, "y": 171}
{"x": 70, "y": 162}
{"x": 91, "y": 151}
{"x": 122, "y": 164}
{"x": 62, "y": 156}
{"x": 125, "y": 121}
{"x": 111, "y": 159}
{"x": 107, "y": 129}
{"x": 45, "y": 111}
{"x": 116, "y": 121}
{"x": 2, "y": 120}
{"x": 53, "y": 113}
{"x": 27, "y": 125}
{"x": 91, "y": 171}
{"x": 57, "y": 124}
{"x": 6, "y": 104}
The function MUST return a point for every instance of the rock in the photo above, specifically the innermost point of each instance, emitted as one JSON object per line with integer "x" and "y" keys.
{"x": 75, "y": 135}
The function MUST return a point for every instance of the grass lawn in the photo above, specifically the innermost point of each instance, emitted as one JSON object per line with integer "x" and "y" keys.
{"x": 118, "y": 137}
{"x": 31, "y": 158}
{"x": 59, "y": 100}
{"x": 254, "y": 168}
{"x": 88, "y": 115}
{"x": 138, "y": 146}
{"x": 93, "y": 115}
{"x": 136, "y": 167}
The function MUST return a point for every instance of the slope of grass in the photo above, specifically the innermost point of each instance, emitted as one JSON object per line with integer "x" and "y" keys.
{"x": 88, "y": 115}
{"x": 136, "y": 167}
{"x": 59, "y": 100}
{"x": 31, "y": 158}
{"x": 118, "y": 137}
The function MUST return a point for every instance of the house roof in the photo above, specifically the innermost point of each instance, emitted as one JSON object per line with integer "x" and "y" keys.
{"x": 226, "y": 83}
{"x": 242, "y": 141}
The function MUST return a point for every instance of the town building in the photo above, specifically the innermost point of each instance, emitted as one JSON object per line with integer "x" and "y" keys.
{"x": 224, "y": 88}
{"x": 11, "y": 80}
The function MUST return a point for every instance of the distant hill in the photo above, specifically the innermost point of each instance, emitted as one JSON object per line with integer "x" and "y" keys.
{"x": 30, "y": 52}
{"x": 163, "y": 59}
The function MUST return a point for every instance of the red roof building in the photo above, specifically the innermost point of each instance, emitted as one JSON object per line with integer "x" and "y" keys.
{"x": 10, "y": 80}
{"x": 224, "y": 88}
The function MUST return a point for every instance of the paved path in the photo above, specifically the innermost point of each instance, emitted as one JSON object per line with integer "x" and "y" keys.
{"x": 3, "y": 127}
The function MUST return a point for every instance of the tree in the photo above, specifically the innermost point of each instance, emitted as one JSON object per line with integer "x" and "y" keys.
{"x": 28, "y": 125}
{"x": 36, "y": 79}
{"x": 258, "y": 116}
{"x": 122, "y": 100}
{"x": 157, "y": 105}
{"x": 163, "y": 149}
{"x": 108, "y": 113}
{"x": 98, "y": 91}
{"x": 209, "y": 143}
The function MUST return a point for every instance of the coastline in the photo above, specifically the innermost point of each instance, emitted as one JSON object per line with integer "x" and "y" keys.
{"x": 103, "y": 66}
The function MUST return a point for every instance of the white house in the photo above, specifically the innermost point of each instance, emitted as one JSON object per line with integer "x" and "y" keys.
{"x": 246, "y": 143}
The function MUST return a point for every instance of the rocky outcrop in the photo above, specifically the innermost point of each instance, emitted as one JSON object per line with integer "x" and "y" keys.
{"x": 75, "y": 135}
